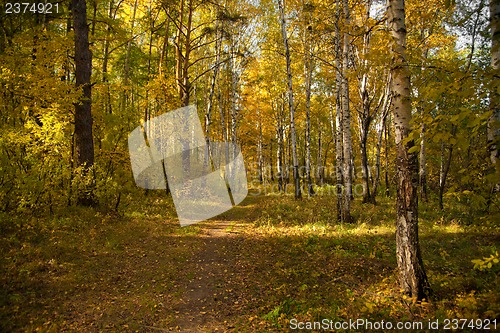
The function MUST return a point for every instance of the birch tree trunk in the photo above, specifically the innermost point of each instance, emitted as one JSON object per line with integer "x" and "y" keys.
{"x": 147, "y": 109}
{"x": 84, "y": 142}
{"x": 441, "y": 175}
{"x": 295, "y": 161}
{"x": 281, "y": 146}
{"x": 162, "y": 63}
{"x": 279, "y": 159}
{"x": 234, "y": 97}
{"x": 386, "y": 152}
{"x": 366, "y": 116}
{"x": 346, "y": 122}
{"x": 422, "y": 172}
{"x": 208, "y": 113}
{"x": 380, "y": 133}
{"x": 445, "y": 167}
{"x": 412, "y": 277}
{"x": 186, "y": 84}
{"x": 308, "y": 69}
{"x": 178, "y": 48}
{"x": 289, "y": 158}
{"x": 339, "y": 156}
{"x": 221, "y": 114}
{"x": 422, "y": 179}
{"x": 183, "y": 48}
{"x": 319, "y": 159}
{"x": 260, "y": 156}
{"x": 271, "y": 169}
{"x": 364, "y": 128}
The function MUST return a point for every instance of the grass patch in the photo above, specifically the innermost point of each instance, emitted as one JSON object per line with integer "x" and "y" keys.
{"x": 354, "y": 267}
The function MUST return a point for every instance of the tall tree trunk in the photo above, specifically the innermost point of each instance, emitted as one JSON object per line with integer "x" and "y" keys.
{"x": 129, "y": 45}
{"x": 494, "y": 120}
{"x": 339, "y": 150}
{"x": 67, "y": 78}
{"x": 221, "y": 113}
{"x": 422, "y": 173}
{"x": 365, "y": 125}
{"x": 308, "y": 69}
{"x": 208, "y": 113}
{"x": 182, "y": 43}
{"x": 422, "y": 179}
{"x": 385, "y": 110}
{"x": 365, "y": 116}
{"x": 445, "y": 167}
{"x": 380, "y": 134}
{"x": 289, "y": 158}
{"x": 186, "y": 84}
{"x": 147, "y": 111}
{"x": 234, "y": 97}
{"x": 386, "y": 153}
{"x": 260, "y": 155}
{"x": 108, "y": 107}
{"x": 412, "y": 277}
{"x": 319, "y": 159}
{"x": 281, "y": 146}
{"x": 162, "y": 63}
{"x": 183, "y": 48}
{"x": 279, "y": 161}
{"x": 84, "y": 143}
{"x": 441, "y": 175}
{"x": 178, "y": 49}
{"x": 346, "y": 122}
{"x": 126, "y": 95}
{"x": 298, "y": 193}
{"x": 105, "y": 56}
{"x": 271, "y": 169}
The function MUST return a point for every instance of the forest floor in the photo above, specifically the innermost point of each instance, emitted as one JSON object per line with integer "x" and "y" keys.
{"x": 254, "y": 268}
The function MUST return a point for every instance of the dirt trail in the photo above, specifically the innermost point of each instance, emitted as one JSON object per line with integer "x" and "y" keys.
{"x": 209, "y": 295}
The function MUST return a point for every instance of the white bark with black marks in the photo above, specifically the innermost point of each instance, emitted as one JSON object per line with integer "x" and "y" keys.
{"x": 412, "y": 277}
{"x": 346, "y": 123}
{"x": 291, "y": 106}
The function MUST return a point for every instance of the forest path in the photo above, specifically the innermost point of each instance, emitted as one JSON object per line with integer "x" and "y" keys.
{"x": 209, "y": 296}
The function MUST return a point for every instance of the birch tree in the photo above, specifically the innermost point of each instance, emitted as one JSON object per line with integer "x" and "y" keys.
{"x": 291, "y": 106}
{"x": 412, "y": 277}
{"x": 380, "y": 133}
{"x": 308, "y": 70}
{"x": 339, "y": 156}
{"x": 371, "y": 95}
{"x": 346, "y": 122}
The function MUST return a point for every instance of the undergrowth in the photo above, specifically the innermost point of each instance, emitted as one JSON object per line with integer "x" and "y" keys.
{"x": 453, "y": 250}
{"x": 81, "y": 267}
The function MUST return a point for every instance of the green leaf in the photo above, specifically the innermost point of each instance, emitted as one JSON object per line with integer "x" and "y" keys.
{"x": 413, "y": 149}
